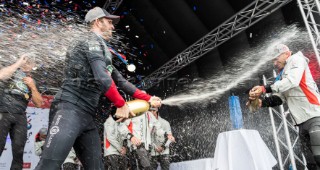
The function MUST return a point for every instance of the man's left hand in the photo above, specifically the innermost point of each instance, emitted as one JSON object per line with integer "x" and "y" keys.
{"x": 29, "y": 82}
{"x": 171, "y": 138}
{"x": 155, "y": 101}
{"x": 159, "y": 149}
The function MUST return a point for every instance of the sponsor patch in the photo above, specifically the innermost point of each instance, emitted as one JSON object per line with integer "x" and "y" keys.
{"x": 54, "y": 130}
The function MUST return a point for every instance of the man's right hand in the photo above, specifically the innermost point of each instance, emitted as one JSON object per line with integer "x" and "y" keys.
{"x": 123, "y": 113}
{"x": 123, "y": 151}
{"x": 135, "y": 141}
{"x": 256, "y": 92}
{"x": 22, "y": 60}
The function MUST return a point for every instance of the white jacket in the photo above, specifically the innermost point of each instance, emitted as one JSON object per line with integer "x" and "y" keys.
{"x": 71, "y": 157}
{"x": 158, "y": 140}
{"x": 141, "y": 127}
{"x": 298, "y": 89}
{"x": 113, "y": 142}
{"x": 37, "y": 147}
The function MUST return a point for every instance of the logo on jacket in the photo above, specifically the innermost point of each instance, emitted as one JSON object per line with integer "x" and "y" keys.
{"x": 54, "y": 130}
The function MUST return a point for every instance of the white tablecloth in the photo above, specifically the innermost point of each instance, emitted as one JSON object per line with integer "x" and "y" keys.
{"x": 242, "y": 150}
{"x": 200, "y": 164}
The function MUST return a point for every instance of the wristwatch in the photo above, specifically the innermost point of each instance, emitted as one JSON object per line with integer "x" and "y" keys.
{"x": 129, "y": 136}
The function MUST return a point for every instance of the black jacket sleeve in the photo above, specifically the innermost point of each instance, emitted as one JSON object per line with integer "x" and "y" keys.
{"x": 271, "y": 101}
{"x": 101, "y": 65}
{"x": 268, "y": 89}
{"x": 122, "y": 83}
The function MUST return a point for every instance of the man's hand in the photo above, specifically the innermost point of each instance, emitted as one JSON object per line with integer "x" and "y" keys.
{"x": 171, "y": 138}
{"x": 123, "y": 151}
{"x": 123, "y": 113}
{"x": 135, "y": 141}
{"x": 29, "y": 82}
{"x": 7, "y": 72}
{"x": 159, "y": 149}
{"x": 22, "y": 60}
{"x": 155, "y": 101}
{"x": 256, "y": 92}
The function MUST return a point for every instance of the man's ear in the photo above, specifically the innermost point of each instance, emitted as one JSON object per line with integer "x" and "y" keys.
{"x": 97, "y": 22}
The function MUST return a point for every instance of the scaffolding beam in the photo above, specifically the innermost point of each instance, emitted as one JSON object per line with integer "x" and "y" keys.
{"x": 112, "y": 5}
{"x": 239, "y": 22}
{"x": 310, "y": 11}
{"x": 279, "y": 136}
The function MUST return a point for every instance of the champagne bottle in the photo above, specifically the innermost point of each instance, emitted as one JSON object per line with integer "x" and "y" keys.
{"x": 254, "y": 105}
{"x": 138, "y": 107}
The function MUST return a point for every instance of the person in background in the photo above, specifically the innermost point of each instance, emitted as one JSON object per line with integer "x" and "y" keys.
{"x": 114, "y": 149}
{"x": 141, "y": 127}
{"x": 296, "y": 86}
{"x": 17, "y": 88}
{"x": 160, "y": 152}
{"x": 39, "y": 142}
{"x": 71, "y": 162}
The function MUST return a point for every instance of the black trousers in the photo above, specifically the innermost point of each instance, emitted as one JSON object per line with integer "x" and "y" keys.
{"x": 116, "y": 162}
{"x": 16, "y": 126}
{"x": 141, "y": 159}
{"x": 164, "y": 161}
{"x": 71, "y": 127}
{"x": 309, "y": 133}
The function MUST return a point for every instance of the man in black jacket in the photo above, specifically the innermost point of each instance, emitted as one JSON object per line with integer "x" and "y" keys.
{"x": 17, "y": 88}
{"x": 88, "y": 74}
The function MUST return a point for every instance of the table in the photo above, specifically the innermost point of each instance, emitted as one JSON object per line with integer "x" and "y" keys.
{"x": 199, "y": 164}
{"x": 242, "y": 150}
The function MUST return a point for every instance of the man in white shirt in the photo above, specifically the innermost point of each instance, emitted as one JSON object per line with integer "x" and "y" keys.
{"x": 114, "y": 149}
{"x": 141, "y": 127}
{"x": 295, "y": 86}
{"x": 160, "y": 150}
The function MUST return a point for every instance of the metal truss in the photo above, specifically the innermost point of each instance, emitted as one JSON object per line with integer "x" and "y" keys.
{"x": 285, "y": 143}
{"x": 282, "y": 115}
{"x": 310, "y": 10}
{"x": 112, "y": 5}
{"x": 239, "y": 22}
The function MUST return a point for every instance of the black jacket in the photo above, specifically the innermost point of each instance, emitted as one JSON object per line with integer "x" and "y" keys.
{"x": 89, "y": 73}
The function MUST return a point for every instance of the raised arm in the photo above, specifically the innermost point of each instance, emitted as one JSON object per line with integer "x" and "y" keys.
{"x": 36, "y": 96}
{"x": 7, "y": 72}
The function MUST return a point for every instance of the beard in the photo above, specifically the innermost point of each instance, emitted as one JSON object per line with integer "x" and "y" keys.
{"x": 107, "y": 34}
